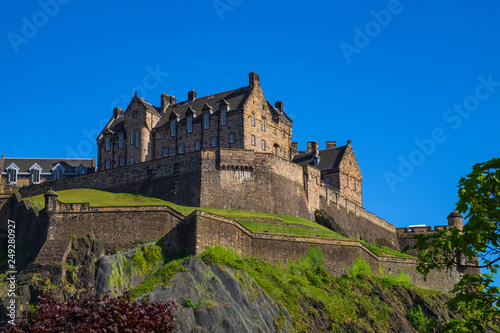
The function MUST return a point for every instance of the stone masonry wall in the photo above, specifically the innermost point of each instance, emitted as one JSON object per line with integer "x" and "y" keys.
{"x": 211, "y": 230}
{"x": 356, "y": 221}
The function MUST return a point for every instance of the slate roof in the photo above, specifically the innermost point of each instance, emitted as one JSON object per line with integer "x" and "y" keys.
{"x": 116, "y": 125}
{"x": 328, "y": 158}
{"x": 69, "y": 165}
{"x": 235, "y": 98}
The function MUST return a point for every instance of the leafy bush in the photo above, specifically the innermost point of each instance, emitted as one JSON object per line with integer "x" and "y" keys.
{"x": 419, "y": 321}
{"x": 85, "y": 312}
{"x": 359, "y": 269}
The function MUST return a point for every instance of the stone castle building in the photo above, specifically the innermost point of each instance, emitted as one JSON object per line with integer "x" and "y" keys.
{"x": 236, "y": 119}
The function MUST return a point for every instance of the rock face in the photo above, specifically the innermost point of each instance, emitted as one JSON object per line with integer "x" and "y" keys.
{"x": 221, "y": 299}
{"x": 127, "y": 270}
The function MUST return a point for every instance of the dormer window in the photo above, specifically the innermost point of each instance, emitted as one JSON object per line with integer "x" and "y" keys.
{"x": 35, "y": 176}
{"x": 173, "y": 129}
{"x": 12, "y": 171}
{"x": 224, "y": 116}
{"x": 58, "y": 174}
{"x": 207, "y": 121}
{"x": 190, "y": 124}
{"x": 108, "y": 143}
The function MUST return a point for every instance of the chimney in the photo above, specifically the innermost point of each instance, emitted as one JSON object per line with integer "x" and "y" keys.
{"x": 294, "y": 148}
{"x": 456, "y": 220}
{"x": 279, "y": 105}
{"x": 93, "y": 163}
{"x": 117, "y": 112}
{"x": 191, "y": 95}
{"x": 331, "y": 144}
{"x": 166, "y": 100}
{"x": 312, "y": 147}
{"x": 348, "y": 142}
{"x": 254, "y": 79}
{"x": 2, "y": 158}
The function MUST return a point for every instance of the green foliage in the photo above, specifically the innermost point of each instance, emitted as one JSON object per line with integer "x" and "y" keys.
{"x": 419, "y": 321}
{"x": 360, "y": 268}
{"x": 188, "y": 303}
{"x": 204, "y": 303}
{"x": 478, "y": 299}
{"x": 161, "y": 277}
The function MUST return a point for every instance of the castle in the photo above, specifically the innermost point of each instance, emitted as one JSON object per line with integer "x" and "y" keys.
{"x": 230, "y": 150}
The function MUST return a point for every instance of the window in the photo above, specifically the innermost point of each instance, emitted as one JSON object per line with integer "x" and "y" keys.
{"x": 120, "y": 141}
{"x": 134, "y": 114}
{"x": 173, "y": 129}
{"x": 224, "y": 116}
{"x": 232, "y": 138}
{"x": 108, "y": 164}
{"x": 137, "y": 139}
{"x": 263, "y": 144}
{"x": 207, "y": 120}
{"x": 122, "y": 161}
{"x": 253, "y": 119}
{"x": 163, "y": 135}
{"x": 181, "y": 149}
{"x": 354, "y": 184}
{"x": 108, "y": 143}
{"x": 157, "y": 135}
{"x": 347, "y": 180}
{"x": 35, "y": 176}
{"x": 166, "y": 152}
{"x": 132, "y": 138}
{"x": 12, "y": 173}
{"x": 198, "y": 145}
{"x": 328, "y": 181}
{"x": 190, "y": 124}
{"x": 131, "y": 160}
{"x": 80, "y": 171}
{"x": 214, "y": 142}
{"x": 253, "y": 140}
{"x": 59, "y": 174}
{"x": 263, "y": 124}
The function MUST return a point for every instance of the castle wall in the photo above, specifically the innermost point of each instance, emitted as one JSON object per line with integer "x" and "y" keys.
{"x": 242, "y": 179}
{"x": 338, "y": 254}
{"x": 355, "y": 221}
{"x": 120, "y": 227}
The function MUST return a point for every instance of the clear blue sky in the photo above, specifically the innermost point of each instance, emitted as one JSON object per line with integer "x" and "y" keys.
{"x": 385, "y": 74}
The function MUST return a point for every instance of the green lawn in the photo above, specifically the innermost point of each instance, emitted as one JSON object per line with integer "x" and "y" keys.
{"x": 282, "y": 224}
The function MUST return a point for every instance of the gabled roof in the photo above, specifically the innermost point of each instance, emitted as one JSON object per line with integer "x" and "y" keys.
{"x": 328, "y": 158}
{"x": 149, "y": 107}
{"x": 235, "y": 98}
{"x": 47, "y": 164}
{"x": 278, "y": 113}
{"x": 115, "y": 125}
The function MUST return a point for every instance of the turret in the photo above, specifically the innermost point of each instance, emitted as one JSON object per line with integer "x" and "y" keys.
{"x": 50, "y": 201}
{"x": 456, "y": 220}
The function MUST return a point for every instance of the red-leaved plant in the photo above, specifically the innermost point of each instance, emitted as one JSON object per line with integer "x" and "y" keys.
{"x": 86, "y": 312}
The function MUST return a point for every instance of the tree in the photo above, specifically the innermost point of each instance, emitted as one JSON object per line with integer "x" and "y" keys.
{"x": 85, "y": 312}
{"x": 476, "y": 246}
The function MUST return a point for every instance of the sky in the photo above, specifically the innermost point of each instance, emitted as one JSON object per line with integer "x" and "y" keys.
{"x": 414, "y": 84}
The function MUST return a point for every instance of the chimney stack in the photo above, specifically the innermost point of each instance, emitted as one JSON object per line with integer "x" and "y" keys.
{"x": 166, "y": 100}
{"x": 312, "y": 147}
{"x": 117, "y": 112}
{"x": 331, "y": 144}
{"x": 254, "y": 79}
{"x": 294, "y": 148}
{"x": 191, "y": 95}
{"x": 456, "y": 220}
{"x": 279, "y": 105}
